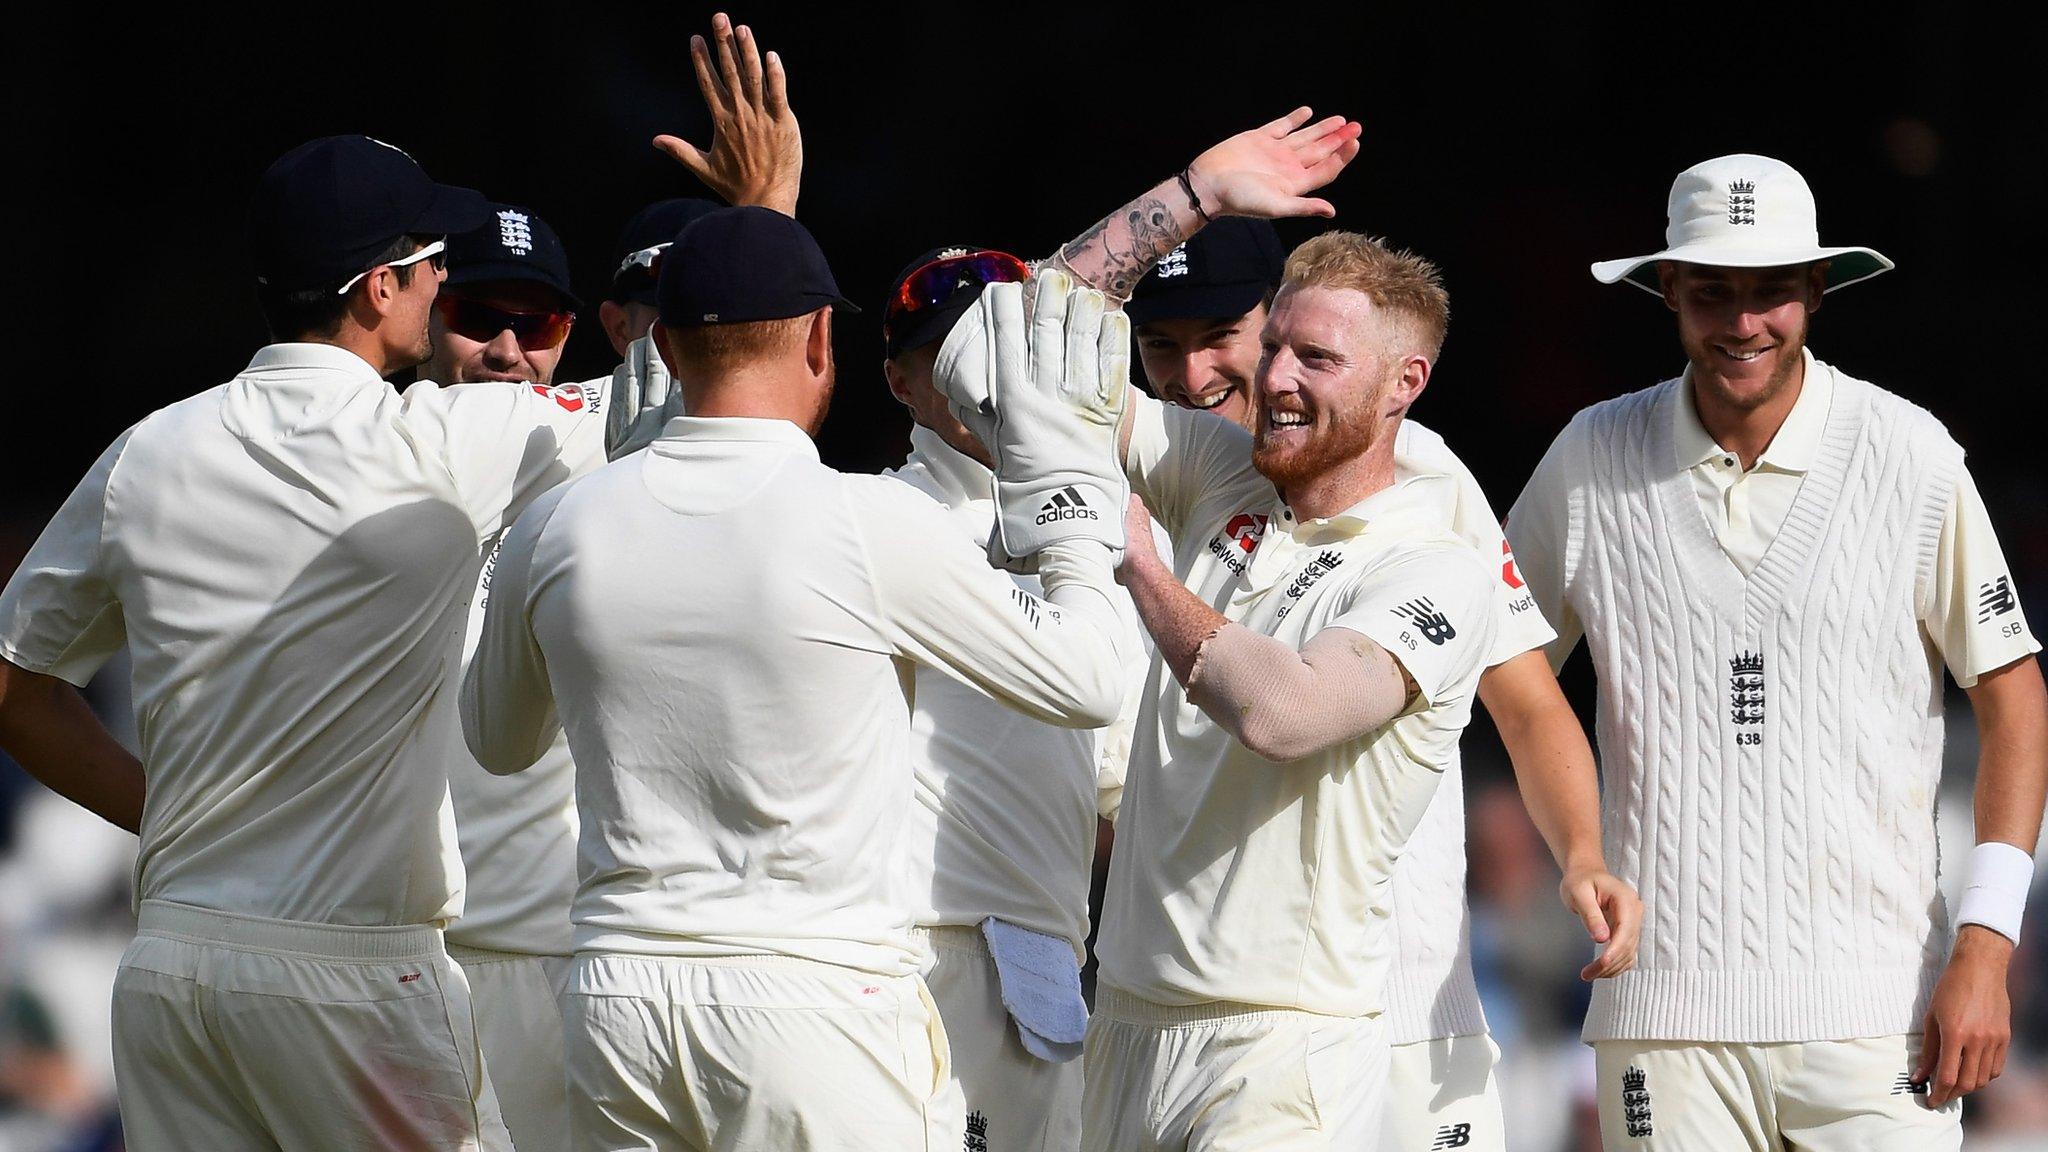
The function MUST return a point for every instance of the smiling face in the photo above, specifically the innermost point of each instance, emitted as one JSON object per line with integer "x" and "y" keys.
{"x": 1205, "y": 364}
{"x": 1743, "y": 329}
{"x": 465, "y": 359}
{"x": 1322, "y": 386}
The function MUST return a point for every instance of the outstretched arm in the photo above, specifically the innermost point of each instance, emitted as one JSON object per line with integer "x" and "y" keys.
{"x": 1267, "y": 171}
{"x": 757, "y": 152}
{"x": 1561, "y": 789}
{"x": 47, "y": 727}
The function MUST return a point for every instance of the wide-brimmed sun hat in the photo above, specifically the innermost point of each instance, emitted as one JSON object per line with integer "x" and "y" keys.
{"x": 1743, "y": 211}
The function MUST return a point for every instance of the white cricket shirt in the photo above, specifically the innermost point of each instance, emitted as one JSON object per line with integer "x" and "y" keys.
{"x": 287, "y": 558}
{"x": 730, "y": 632}
{"x": 517, "y": 835}
{"x": 1004, "y": 823}
{"x": 1236, "y": 878}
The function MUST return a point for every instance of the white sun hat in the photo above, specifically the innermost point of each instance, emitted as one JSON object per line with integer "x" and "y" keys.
{"x": 1743, "y": 211}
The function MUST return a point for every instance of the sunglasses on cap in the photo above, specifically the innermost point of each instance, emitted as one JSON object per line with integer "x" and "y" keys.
{"x": 475, "y": 320}
{"x": 437, "y": 252}
{"x": 932, "y": 285}
{"x": 646, "y": 262}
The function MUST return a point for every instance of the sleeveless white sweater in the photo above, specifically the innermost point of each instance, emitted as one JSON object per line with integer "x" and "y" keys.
{"x": 1770, "y": 745}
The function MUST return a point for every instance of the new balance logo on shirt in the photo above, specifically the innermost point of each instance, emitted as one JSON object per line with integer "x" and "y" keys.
{"x": 1028, "y": 603}
{"x": 1434, "y": 625}
{"x": 1452, "y": 1136}
{"x": 1066, "y": 504}
{"x": 1995, "y": 598}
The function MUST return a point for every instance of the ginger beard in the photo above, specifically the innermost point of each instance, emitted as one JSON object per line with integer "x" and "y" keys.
{"x": 1334, "y": 435}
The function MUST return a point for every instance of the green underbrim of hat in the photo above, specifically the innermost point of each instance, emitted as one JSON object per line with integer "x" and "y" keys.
{"x": 1845, "y": 267}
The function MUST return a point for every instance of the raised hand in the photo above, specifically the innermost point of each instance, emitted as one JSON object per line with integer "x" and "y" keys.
{"x": 757, "y": 152}
{"x": 1269, "y": 170}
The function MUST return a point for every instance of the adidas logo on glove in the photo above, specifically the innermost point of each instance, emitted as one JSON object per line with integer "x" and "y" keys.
{"x": 1066, "y": 504}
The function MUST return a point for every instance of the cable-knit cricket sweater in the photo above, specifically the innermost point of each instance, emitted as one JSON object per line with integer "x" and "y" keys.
{"x": 1770, "y": 743}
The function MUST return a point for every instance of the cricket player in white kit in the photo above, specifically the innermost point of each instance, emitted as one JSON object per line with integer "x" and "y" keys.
{"x": 286, "y": 558}
{"x": 1332, "y": 663}
{"x": 1000, "y": 839}
{"x": 1198, "y": 317}
{"x": 1771, "y": 561}
{"x": 1003, "y": 836}
{"x": 518, "y": 835}
{"x": 738, "y": 709}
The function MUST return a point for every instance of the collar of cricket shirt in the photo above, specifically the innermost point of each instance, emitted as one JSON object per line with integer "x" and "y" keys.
{"x": 1794, "y": 447}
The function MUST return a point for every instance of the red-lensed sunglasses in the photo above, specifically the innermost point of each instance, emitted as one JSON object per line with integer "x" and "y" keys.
{"x": 933, "y": 284}
{"x": 475, "y": 320}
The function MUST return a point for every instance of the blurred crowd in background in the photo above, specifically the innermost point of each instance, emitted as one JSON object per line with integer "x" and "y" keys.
{"x": 1512, "y": 150}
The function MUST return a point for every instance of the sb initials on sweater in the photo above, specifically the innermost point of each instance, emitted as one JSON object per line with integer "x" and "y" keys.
{"x": 1772, "y": 736}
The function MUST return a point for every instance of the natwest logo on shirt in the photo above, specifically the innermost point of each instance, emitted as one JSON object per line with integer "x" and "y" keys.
{"x": 1245, "y": 528}
{"x": 1239, "y": 536}
{"x": 569, "y": 396}
{"x": 1508, "y": 573}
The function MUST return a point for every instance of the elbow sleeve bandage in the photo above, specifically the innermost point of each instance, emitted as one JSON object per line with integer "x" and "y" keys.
{"x": 1284, "y": 704}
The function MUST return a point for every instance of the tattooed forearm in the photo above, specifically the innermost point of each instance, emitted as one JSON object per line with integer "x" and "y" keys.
{"x": 1119, "y": 249}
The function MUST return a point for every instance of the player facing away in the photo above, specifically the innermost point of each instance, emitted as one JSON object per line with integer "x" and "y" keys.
{"x": 507, "y": 321}
{"x": 287, "y": 558}
{"x": 1197, "y": 317}
{"x": 1771, "y": 561}
{"x": 728, "y": 630}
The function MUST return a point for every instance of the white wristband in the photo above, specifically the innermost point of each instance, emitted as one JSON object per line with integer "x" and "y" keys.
{"x": 1995, "y": 892}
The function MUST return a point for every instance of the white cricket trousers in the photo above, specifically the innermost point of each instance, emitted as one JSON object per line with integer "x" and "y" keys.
{"x": 1228, "y": 1077}
{"x": 237, "y": 1033}
{"x": 754, "y": 1053}
{"x": 516, "y": 1000}
{"x": 1819, "y": 1096}
{"x": 1015, "y": 1101}
{"x": 1441, "y": 1095}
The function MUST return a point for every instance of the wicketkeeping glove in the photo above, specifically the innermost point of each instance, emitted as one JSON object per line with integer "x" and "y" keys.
{"x": 643, "y": 399}
{"x": 1044, "y": 396}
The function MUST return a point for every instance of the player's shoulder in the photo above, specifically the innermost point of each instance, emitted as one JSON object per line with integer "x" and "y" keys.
{"x": 1889, "y": 408}
{"x": 1616, "y": 421}
{"x": 1629, "y": 411}
{"x": 889, "y": 495}
{"x": 181, "y": 428}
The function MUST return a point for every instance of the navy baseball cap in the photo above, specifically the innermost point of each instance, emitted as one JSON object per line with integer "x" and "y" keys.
{"x": 737, "y": 265}
{"x": 1222, "y": 271}
{"x": 649, "y": 232}
{"x": 327, "y": 209}
{"x": 928, "y": 325}
{"x": 515, "y": 244}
